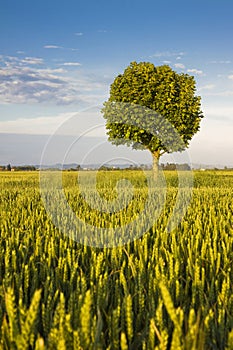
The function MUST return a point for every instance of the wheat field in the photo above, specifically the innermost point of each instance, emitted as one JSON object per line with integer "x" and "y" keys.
{"x": 163, "y": 290}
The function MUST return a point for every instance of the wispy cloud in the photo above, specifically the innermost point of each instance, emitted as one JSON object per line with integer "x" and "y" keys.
{"x": 167, "y": 54}
{"x": 39, "y": 126}
{"x": 219, "y": 112}
{"x": 195, "y": 71}
{"x": 230, "y": 77}
{"x": 33, "y": 60}
{"x": 56, "y": 47}
{"x": 225, "y": 93}
{"x": 221, "y": 62}
{"x": 71, "y": 64}
{"x": 52, "y": 47}
{"x": 207, "y": 87}
{"x": 78, "y": 34}
{"x": 78, "y": 123}
{"x": 179, "y": 65}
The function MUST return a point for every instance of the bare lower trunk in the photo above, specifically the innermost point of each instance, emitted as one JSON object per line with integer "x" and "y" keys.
{"x": 156, "y": 156}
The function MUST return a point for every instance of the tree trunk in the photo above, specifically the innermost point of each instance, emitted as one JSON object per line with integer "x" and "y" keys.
{"x": 156, "y": 156}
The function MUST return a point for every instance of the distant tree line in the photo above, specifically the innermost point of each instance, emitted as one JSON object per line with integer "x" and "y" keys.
{"x": 173, "y": 166}
{"x": 5, "y": 167}
{"x": 167, "y": 166}
{"x": 25, "y": 168}
{"x": 17, "y": 168}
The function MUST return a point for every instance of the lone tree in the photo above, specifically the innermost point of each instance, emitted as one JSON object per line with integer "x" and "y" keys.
{"x": 168, "y": 94}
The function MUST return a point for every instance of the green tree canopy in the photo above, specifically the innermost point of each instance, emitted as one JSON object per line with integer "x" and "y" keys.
{"x": 171, "y": 97}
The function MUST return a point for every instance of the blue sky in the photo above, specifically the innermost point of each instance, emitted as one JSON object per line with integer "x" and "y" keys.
{"x": 58, "y": 58}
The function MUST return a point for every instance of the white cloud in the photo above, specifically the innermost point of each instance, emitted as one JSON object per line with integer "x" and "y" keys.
{"x": 166, "y": 62}
{"x": 39, "y": 126}
{"x": 32, "y": 60}
{"x": 89, "y": 122}
{"x": 230, "y": 76}
{"x": 218, "y": 112}
{"x": 79, "y": 34}
{"x": 22, "y": 81}
{"x": 225, "y": 93}
{"x": 71, "y": 64}
{"x": 10, "y": 58}
{"x": 167, "y": 54}
{"x": 221, "y": 62}
{"x": 195, "y": 71}
{"x": 179, "y": 65}
{"x": 206, "y": 87}
{"x": 51, "y": 70}
{"x": 52, "y": 47}
{"x": 56, "y": 47}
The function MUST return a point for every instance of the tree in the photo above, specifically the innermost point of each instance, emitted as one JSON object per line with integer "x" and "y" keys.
{"x": 171, "y": 97}
{"x": 8, "y": 167}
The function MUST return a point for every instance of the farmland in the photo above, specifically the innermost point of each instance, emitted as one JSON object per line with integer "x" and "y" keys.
{"x": 163, "y": 290}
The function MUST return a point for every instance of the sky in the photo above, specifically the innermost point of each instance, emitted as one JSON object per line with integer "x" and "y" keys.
{"x": 58, "y": 59}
